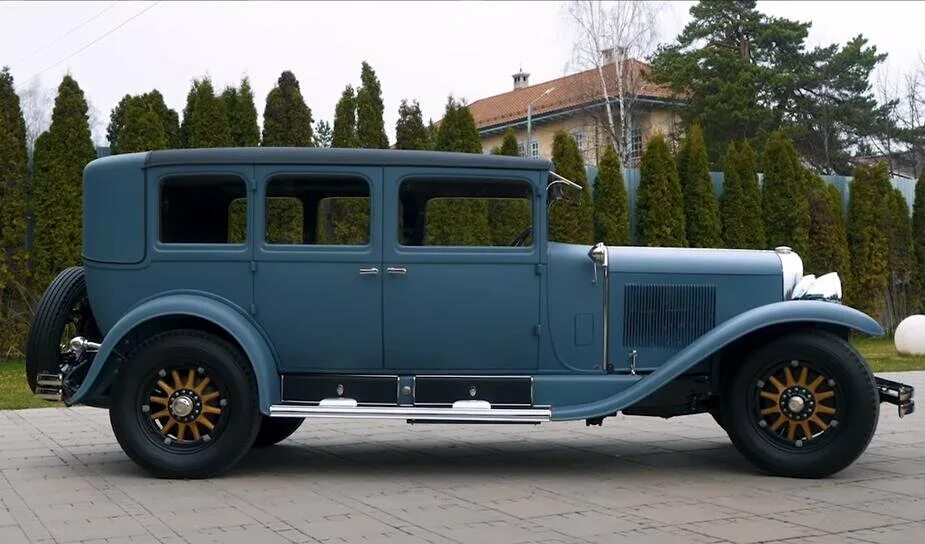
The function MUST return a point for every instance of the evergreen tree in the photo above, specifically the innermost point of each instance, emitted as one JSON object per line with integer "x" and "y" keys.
{"x": 508, "y": 217}
{"x": 60, "y": 156}
{"x": 868, "y": 240}
{"x": 431, "y": 135}
{"x": 458, "y": 221}
{"x": 370, "y": 126}
{"x": 287, "y": 120}
{"x": 701, "y": 209}
{"x": 611, "y": 208}
{"x": 740, "y": 203}
{"x": 901, "y": 261}
{"x": 918, "y": 242}
{"x": 323, "y": 134}
{"x": 660, "y": 203}
{"x": 508, "y": 145}
{"x": 242, "y": 115}
{"x": 828, "y": 242}
{"x": 205, "y": 123}
{"x": 457, "y": 131}
{"x": 132, "y": 126}
{"x": 571, "y": 219}
{"x": 345, "y": 121}
{"x": 142, "y": 129}
{"x": 410, "y": 132}
{"x": 14, "y": 258}
{"x": 784, "y": 196}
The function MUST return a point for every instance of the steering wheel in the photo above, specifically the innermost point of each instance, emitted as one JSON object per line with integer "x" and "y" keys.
{"x": 522, "y": 237}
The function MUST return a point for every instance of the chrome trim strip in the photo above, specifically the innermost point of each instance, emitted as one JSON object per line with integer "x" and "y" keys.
{"x": 531, "y": 415}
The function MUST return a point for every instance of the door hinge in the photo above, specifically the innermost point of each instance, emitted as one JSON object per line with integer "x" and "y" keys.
{"x": 538, "y": 329}
{"x": 253, "y": 309}
{"x": 540, "y": 269}
{"x": 253, "y": 266}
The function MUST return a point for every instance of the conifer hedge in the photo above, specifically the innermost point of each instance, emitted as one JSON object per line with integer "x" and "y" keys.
{"x": 508, "y": 217}
{"x": 740, "y": 202}
{"x": 660, "y": 204}
{"x": 868, "y": 239}
{"x": 611, "y": 208}
{"x": 784, "y": 196}
{"x": 701, "y": 209}
{"x": 571, "y": 219}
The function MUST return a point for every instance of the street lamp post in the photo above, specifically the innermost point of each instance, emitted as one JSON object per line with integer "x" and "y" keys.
{"x": 530, "y": 120}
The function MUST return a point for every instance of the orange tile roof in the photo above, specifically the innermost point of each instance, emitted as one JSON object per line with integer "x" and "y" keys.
{"x": 571, "y": 91}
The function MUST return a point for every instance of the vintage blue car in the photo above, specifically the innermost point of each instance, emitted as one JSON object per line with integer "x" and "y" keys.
{"x": 229, "y": 294}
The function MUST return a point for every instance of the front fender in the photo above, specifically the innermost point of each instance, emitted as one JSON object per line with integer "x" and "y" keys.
{"x": 778, "y": 313}
{"x": 220, "y": 313}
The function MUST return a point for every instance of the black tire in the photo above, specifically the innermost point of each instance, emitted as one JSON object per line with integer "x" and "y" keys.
{"x": 274, "y": 430}
{"x": 228, "y": 372}
{"x": 831, "y": 448}
{"x": 63, "y": 310}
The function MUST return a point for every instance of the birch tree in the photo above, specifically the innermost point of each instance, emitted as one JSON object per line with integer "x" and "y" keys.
{"x": 609, "y": 36}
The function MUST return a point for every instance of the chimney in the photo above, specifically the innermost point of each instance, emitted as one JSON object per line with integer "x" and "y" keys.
{"x": 609, "y": 55}
{"x": 521, "y": 79}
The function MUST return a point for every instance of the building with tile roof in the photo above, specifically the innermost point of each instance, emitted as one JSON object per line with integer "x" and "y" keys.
{"x": 575, "y": 103}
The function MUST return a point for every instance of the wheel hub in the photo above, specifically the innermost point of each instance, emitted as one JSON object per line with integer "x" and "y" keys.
{"x": 796, "y": 412}
{"x": 191, "y": 406}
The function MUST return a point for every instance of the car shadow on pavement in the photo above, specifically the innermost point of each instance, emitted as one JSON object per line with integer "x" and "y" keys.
{"x": 390, "y": 459}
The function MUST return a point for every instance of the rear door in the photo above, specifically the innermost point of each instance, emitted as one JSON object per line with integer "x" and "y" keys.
{"x": 318, "y": 281}
{"x": 457, "y": 297}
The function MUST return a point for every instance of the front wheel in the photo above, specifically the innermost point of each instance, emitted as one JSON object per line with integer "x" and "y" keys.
{"x": 804, "y": 405}
{"x": 184, "y": 405}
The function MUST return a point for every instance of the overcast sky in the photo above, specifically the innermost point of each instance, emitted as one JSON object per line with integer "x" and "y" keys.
{"x": 419, "y": 50}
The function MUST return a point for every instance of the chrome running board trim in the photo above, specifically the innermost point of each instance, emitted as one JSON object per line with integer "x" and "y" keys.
{"x": 419, "y": 413}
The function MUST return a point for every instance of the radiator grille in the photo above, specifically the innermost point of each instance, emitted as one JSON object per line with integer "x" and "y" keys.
{"x": 667, "y": 315}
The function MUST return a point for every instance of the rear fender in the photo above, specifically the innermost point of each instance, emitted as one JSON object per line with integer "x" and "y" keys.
{"x": 218, "y": 312}
{"x": 779, "y": 313}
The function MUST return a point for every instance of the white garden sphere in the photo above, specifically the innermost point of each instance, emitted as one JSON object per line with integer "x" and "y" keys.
{"x": 910, "y": 335}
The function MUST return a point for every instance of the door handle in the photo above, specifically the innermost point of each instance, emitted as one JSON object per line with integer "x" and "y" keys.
{"x": 396, "y": 271}
{"x": 369, "y": 271}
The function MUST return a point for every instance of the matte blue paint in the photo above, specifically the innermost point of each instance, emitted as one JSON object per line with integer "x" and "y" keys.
{"x": 792, "y": 311}
{"x": 534, "y": 311}
{"x": 200, "y": 305}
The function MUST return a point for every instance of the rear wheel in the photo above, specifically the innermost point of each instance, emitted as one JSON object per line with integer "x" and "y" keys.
{"x": 185, "y": 405}
{"x": 804, "y": 405}
{"x": 274, "y": 430}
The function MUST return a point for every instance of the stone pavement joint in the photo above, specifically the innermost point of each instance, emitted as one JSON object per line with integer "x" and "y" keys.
{"x": 64, "y": 479}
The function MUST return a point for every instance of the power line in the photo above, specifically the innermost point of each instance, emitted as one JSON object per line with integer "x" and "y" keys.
{"x": 66, "y": 34}
{"x": 92, "y": 42}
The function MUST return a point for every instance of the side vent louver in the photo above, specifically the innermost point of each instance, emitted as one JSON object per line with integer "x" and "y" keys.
{"x": 667, "y": 315}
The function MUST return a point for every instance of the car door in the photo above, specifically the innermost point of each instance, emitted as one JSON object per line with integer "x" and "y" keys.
{"x": 318, "y": 287}
{"x": 456, "y": 301}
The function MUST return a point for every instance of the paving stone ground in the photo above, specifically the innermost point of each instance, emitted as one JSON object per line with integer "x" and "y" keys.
{"x": 63, "y": 478}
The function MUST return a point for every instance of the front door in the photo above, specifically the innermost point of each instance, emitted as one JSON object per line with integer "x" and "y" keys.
{"x": 458, "y": 298}
{"x": 318, "y": 284}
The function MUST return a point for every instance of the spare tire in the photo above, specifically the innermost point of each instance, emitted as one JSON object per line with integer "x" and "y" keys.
{"x": 62, "y": 313}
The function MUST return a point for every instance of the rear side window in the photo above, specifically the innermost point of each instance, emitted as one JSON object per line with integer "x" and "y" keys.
{"x": 203, "y": 209}
{"x": 317, "y": 210}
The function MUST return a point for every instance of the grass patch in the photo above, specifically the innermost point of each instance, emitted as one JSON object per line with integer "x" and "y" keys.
{"x": 14, "y": 391}
{"x": 882, "y": 355}
{"x": 879, "y": 352}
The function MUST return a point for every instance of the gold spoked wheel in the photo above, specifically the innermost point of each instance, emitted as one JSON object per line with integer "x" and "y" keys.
{"x": 184, "y": 406}
{"x": 797, "y": 404}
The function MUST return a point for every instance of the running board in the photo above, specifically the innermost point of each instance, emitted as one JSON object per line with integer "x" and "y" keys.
{"x": 474, "y": 411}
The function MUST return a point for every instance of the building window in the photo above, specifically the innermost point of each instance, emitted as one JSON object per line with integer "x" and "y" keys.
{"x": 579, "y": 136}
{"x": 520, "y": 149}
{"x": 634, "y": 153}
{"x": 534, "y": 148}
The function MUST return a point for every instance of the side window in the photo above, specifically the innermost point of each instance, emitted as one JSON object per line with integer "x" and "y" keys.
{"x": 435, "y": 212}
{"x": 317, "y": 210}
{"x": 203, "y": 209}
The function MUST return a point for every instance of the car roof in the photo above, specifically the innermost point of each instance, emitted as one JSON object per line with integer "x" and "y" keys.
{"x": 314, "y": 155}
